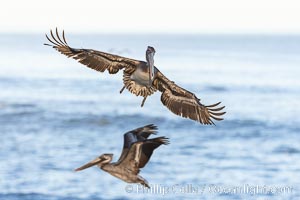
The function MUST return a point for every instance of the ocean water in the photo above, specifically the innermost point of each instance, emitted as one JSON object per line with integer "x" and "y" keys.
{"x": 56, "y": 114}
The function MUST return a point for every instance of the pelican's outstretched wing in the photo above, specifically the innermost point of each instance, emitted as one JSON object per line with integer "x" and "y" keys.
{"x": 184, "y": 103}
{"x": 136, "y": 135}
{"x": 140, "y": 153}
{"x": 93, "y": 59}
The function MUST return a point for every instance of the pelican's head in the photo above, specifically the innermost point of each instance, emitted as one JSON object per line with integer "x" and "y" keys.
{"x": 150, "y": 62}
{"x": 100, "y": 161}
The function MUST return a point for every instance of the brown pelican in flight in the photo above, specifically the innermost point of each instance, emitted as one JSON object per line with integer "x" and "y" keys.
{"x": 137, "y": 150}
{"x": 142, "y": 79}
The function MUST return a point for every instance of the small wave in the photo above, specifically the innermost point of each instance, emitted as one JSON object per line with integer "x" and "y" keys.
{"x": 239, "y": 123}
{"x": 286, "y": 150}
{"x": 216, "y": 88}
{"x": 250, "y": 89}
{"x": 17, "y": 111}
{"x": 38, "y": 196}
{"x": 106, "y": 120}
{"x": 28, "y": 196}
{"x": 22, "y": 105}
{"x": 5, "y": 105}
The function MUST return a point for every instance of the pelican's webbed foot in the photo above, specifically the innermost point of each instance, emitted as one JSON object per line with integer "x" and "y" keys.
{"x": 143, "y": 181}
{"x": 143, "y": 102}
{"x": 122, "y": 89}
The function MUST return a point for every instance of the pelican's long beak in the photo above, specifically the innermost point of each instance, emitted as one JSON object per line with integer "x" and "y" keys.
{"x": 90, "y": 164}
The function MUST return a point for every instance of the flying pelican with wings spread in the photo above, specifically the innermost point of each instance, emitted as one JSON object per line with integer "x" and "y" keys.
{"x": 137, "y": 150}
{"x": 142, "y": 79}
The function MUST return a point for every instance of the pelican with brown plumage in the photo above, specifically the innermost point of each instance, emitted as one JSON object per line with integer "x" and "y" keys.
{"x": 142, "y": 79}
{"x": 137, "y": 150}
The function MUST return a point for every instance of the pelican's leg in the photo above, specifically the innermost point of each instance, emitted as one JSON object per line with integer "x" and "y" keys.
{"x": 143, "y": 101}
{"x": 143, "y": 181}
{"x": 122, "y": 89}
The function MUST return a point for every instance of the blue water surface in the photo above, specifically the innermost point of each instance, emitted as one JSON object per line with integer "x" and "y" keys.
{"x": 56, "y": 114}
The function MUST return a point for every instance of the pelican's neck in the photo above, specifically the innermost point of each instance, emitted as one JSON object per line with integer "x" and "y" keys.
{"x": 150, "y": 63}
{"x": 106, "y": 159}
{"x": 150, "y": 58}
{"x": 108, "y": 167}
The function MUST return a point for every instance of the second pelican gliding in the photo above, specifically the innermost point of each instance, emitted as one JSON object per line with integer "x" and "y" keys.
{"x": 137, "y": 151}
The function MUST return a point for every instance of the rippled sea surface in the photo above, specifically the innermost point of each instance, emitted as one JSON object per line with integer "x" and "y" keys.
{"x": 56, "y": 114}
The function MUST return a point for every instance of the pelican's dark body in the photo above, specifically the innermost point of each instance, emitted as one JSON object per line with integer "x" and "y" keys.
{"x": 137, "y": 150}
{"x": 123, "y": 174}
{"x": 141, "y": 74}
{"x": 137, "y": 81}
{"x": 142, "y": 79}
